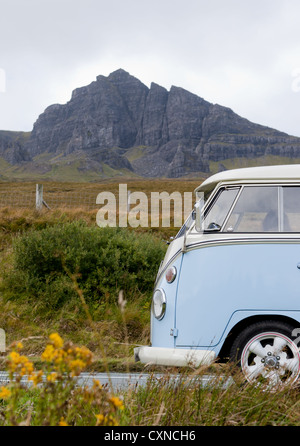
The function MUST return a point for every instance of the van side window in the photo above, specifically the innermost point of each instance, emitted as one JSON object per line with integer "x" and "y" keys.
{"x": 291, "y": 208}
{"x": 219, "y": 208}
{"x": 256, "y": 210}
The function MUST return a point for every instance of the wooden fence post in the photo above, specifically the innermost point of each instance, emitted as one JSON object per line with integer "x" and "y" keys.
{"x": 128, "y": 201}
{"x": 2, "y": 340}
{"x": 39, "y": 197}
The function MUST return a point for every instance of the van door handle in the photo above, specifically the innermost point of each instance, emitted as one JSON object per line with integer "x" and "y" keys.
{"x": 298, "y": 266}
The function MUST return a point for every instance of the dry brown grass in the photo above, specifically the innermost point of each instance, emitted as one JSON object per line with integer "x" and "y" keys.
{"x": 73, "y": 201}
{"x": 58, "y": 191}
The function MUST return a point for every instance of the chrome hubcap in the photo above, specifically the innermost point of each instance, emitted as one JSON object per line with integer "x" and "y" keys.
{"x": 271, "y": 358}
{"x": 270, "y": 361}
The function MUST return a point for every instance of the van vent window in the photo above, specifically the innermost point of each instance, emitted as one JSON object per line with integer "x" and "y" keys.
{"x": 220, "y": 208}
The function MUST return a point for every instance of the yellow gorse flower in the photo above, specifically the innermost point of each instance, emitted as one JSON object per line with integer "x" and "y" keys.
{"x": 4, "y": 393}
{"x": 105, "y": 420}
{"x": 62, "y": 422}
{"x": 117, "y": 403}
{"x": 49, "y": 353}
{"x": 19, "y": 364}
{"x": 66, "y": 358}
{"x": 62, "y": 362}
{"x": 36, "y": 377}
{"x": 56, "y": 340}
{"x": 76, "y": 366}
{"x": 52, "y": 377}
{"x": 97, "y": 384}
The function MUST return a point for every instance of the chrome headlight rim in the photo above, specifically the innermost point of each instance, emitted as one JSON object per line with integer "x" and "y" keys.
{"x": 159, "y": 304}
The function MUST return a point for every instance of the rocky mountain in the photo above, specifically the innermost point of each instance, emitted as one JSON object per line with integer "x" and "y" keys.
{"x": 12, "y": 147}
{"x": 118, "y": 122}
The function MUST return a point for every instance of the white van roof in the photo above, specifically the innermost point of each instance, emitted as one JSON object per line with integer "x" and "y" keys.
{"x": 264, "y": 173}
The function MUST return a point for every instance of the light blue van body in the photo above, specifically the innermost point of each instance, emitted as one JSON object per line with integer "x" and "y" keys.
{"x": 228, "y": 279}
{"x": 202, "y": 312}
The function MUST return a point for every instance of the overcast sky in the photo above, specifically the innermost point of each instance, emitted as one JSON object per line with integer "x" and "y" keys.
{"x": 241, "y": 54}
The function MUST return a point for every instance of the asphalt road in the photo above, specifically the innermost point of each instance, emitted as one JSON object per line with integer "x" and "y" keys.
{"x": 123, "y": 381}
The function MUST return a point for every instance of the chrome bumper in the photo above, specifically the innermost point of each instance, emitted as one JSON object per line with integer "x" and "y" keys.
{"x": 173, "y": 356}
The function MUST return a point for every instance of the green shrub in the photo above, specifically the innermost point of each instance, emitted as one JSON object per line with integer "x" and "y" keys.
{"x": 104, "y": 260}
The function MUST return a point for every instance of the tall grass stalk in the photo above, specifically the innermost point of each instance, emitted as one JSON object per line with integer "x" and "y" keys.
{"x": 188, "y": 399}
{"x": 79, "y": 292}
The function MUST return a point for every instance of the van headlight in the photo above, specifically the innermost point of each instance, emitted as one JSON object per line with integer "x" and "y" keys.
{"x": 159, "y": 303}
{"x": 171, "y": 274}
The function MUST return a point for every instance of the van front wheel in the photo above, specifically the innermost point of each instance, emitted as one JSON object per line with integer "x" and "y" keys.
{"x": 267, "y": 354}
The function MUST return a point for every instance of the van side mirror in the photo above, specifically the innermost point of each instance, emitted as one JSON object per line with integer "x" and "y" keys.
{"x": 168, "y": 242}
{"x": 197, "y": 216}
{"x": 198, "y": 209}
{"x": 213, "y": 227}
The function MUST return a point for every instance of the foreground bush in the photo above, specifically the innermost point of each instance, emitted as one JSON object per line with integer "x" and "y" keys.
{"x": 47, "y": 262}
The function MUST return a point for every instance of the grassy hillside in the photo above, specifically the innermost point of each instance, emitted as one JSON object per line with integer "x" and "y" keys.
{"x": 77, "y": 167}
{"x": 236, "y": 163}
{"x": 20, "y": 137}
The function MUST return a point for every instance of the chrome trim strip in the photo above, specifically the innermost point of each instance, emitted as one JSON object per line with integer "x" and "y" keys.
{"x": 251, "y": 238}
{"x": 245, "y": 240}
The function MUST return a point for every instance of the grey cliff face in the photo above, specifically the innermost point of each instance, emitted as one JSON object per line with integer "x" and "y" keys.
{"x": 178, "y": 131}
{"x": 12, "y": 148}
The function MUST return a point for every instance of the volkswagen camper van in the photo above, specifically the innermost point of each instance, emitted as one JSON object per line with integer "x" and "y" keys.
{"x": 229, "y": 286}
